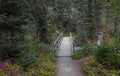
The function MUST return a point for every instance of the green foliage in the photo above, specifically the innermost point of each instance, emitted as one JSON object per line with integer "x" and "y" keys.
{"x": 88, "y": 50}
{"x": 109, "y": 55}
{"x": 62, "y": 5}
{"x": 1, "y": 72}
{"x": 36, "y": 59}
{"x": 83, "y": 38}
{"x": 53, "y": 29}
{"x": 93, "y": 68}
{"x": 78, "y": 55}
{"x": 43, "y": 66}
{"x": 38, "y": 11}
{"x": 27, "y": 58}
{"x": 44, "y": 47}
{"x": 11, "y": 15}
{"x": 101, "y": 53}
{"x": 30, "y": 54}
{"x": 11, "y": 21}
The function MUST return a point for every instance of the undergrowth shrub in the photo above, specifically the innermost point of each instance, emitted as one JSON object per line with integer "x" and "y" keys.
{"x": 89, "y": 49}
{"x": 78, "y": 55}
{"x": 43, "y": 66}
{"x": 30, "y": 54}
{"x": 93, "y": 68}
{"x": 109, "y": 55}
{"x": 82, "y": 37}
{"x": 27, "y": 59}
{"x": 53, "y": 28}
{"x": 44, "y": 47}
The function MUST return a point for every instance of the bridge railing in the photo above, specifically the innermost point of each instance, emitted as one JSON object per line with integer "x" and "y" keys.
{"x": 57, "y": 43}
{"x": 71, "y": 43}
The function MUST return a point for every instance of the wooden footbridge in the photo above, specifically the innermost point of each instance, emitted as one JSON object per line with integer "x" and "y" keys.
{"x": 66, "y": 66}
{"x": 63, "y": 46}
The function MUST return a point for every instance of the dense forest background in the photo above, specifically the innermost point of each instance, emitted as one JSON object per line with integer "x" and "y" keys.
{"x": 21, "y": 19}
{"x": 28, "y": 27}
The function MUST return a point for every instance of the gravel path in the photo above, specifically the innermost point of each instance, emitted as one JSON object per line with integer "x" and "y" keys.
{"x": 66, "y": 66}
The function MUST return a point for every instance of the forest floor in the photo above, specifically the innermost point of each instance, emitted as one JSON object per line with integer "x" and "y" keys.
{"x": 66, "y": 66}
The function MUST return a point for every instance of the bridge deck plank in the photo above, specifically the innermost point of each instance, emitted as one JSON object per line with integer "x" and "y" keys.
{"x": 65, "y": 49}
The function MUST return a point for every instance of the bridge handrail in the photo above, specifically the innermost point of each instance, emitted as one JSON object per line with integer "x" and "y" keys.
{"x": 71, "y": 43}
{"x": 57, "y": 42}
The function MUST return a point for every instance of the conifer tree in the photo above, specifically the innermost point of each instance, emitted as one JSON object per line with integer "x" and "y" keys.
{"x": 11, "y": 26}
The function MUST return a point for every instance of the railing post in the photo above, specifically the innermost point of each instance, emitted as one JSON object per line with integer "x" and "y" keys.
{"x": 57, "y": 43}
{"x": 71, "y": 43}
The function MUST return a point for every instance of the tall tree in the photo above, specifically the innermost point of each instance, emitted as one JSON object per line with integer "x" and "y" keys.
{"x": 11, "y": 26}
{"x": 38, "y": 11}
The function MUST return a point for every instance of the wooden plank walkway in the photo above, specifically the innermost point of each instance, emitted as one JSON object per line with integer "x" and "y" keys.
{"x": 65, "y": 48}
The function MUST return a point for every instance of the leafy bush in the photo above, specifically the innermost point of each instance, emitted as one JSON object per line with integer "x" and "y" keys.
{"x": 102, "y": 52}
{"x": 93, "y": 68}
{"x": 78, "y": 55}
{"x": 109, "y": 55}
{"x": 81, "y": 53}
{"x": 43, "y": 66}
{"x": 29, "y": 55}
{"x": 53, "y": 28}
{"x": 11, "y": 28}
{"x": 27, "y": 59}
{"x": 88, "y": 50}
{"x": 82, "y": 37}
{"x": 44, "y": 47}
